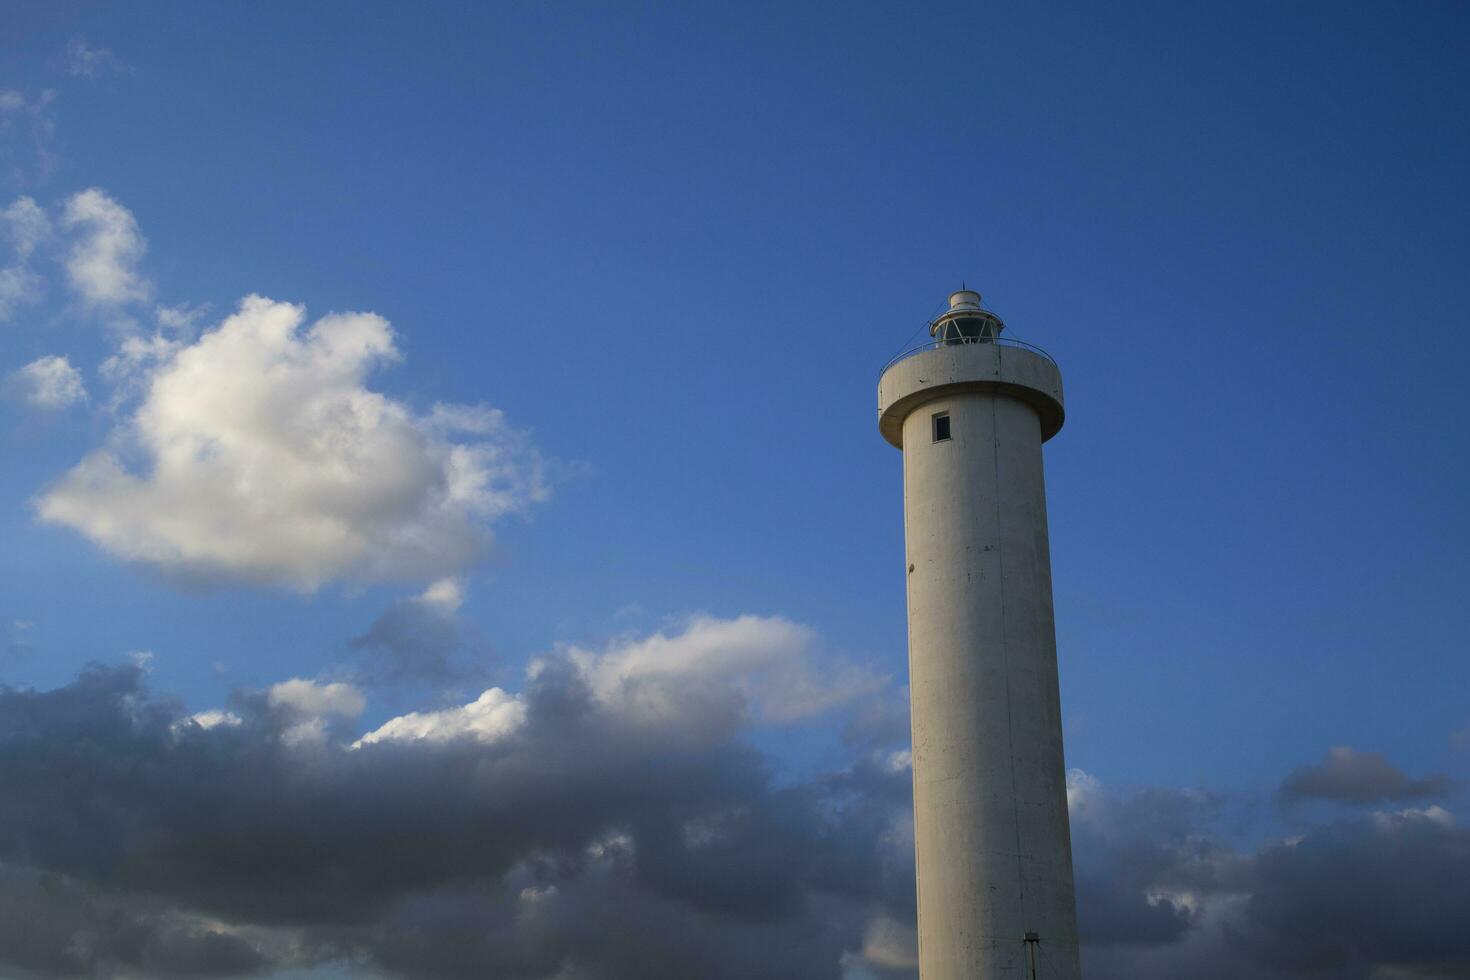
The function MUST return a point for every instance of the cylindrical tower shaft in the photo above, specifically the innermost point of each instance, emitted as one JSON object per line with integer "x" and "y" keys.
{"x": 990, "y": 803}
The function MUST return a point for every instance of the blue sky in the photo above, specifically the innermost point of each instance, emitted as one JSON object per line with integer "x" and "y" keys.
{"x": 673, "y": 245}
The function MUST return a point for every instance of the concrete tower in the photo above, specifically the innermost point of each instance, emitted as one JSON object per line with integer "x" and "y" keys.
{"x": 970, "y": 412}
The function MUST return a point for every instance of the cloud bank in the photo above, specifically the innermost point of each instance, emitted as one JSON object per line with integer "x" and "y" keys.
{"x": 1162, "y": 892}
{"x": 539, "y": 833}
{"x": 576, "y": 829}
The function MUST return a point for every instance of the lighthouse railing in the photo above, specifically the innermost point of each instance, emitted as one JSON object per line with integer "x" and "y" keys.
{"x": 955, "y": 342}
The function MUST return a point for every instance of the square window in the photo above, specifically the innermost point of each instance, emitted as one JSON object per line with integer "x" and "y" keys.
{"x": 941, "y": 427}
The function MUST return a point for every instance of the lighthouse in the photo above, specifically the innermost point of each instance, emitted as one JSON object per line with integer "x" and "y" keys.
{"x": 970, "y": 411}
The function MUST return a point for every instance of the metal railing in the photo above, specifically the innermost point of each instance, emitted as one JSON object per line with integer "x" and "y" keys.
{"x": 935, "y": 344}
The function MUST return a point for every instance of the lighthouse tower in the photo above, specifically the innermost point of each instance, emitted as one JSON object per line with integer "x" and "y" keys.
{"x": 970, "y": 411}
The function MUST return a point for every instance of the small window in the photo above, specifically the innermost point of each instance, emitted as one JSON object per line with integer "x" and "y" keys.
{"x": 941, "y": 427}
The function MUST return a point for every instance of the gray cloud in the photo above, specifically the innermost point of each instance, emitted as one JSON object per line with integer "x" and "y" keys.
{"x": 422, "y": 639}
{"x": 1349, "y": 776}
{"x": 1352, "y": 897}
{"x": 51, "y": 926}
{"x": 1164, "y": 892}
{"x": 577, "y": 838}
{"x": 1134, "y": 857}
{"x": 581, "y": 845}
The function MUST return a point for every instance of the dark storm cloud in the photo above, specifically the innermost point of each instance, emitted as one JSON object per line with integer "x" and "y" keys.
{"x": 582, "y": 845}
{"x": 1162, "y": 892}
{"x": 1385, "y": 890}
{"x": 415, "y": 640}
{"x": 578, "y": 846}
{"x": 1348, "y": 776}
{"x": 52, "y": 926}
{"x": 605, "y": 925}
{"x": 1126, "y": 850}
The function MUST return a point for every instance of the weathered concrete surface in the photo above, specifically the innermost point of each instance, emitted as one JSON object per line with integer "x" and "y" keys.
{"x": 1013, "y": 371}
{"x": 990, "y": 801}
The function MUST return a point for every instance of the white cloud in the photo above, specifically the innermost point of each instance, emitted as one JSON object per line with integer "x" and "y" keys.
{"x": 490, "y": 717}
{"x": 446, "y": 594}
{"x": 310, "y": 706}
{"x": 50, "y": 383}
{"x": 103, "y": 262}
{"x": 25, "y": 226}
{"x": 206, "y": 720}
{"x": 18, "y": 287}
{"x": 263, "y": 458}
{"x": 1082, "y": 788}
{"x": 128, "y": 370}
{"x": 215, "y": 718}
{"x": 181, "y": 318}
{"x": 899, "y": 760}
{"x": 305, "y": 697}
{"x": 767, "y": 668}
{"x": 891, "y": 945}
{"x": 707, "y": 679}
{"x": 85, "y": 61}
{"x": 1437, "y": 815}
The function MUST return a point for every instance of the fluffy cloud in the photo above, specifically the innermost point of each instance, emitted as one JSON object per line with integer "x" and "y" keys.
{"x": 50, "y": 383}
{"x": 1348, "y": 776}
{"x": 24, "y": 225}
{"x": 128, "y": 371}
{"x": 259, "y": 455}
{"x": 891, "y": 945}
{"x": 108, "y": 245}
{"x": 312, "y": 699}
{"x": 215, "y": 717}
{"x": 18, "y": 286}
{"x": 703, "y": 681}
{"x": 309, "y": 711}
{"x": 181, "y": 318}
{"x": 714, "y": 670}
{"x": 489, "y": 718}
